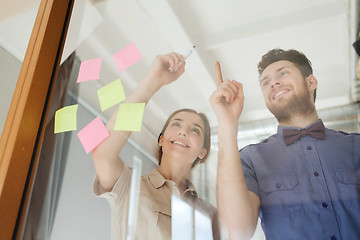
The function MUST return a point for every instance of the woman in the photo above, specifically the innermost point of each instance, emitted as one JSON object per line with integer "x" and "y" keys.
{"x": 183, "y": 142}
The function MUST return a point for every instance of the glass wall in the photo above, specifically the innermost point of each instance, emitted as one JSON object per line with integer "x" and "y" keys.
{"x": 116, "y": 42}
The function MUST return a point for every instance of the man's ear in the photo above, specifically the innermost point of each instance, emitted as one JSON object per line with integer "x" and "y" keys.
{"x": 311, "y": 82}
{"x": 202, "y": 153}
{"x": 161, "y": 140}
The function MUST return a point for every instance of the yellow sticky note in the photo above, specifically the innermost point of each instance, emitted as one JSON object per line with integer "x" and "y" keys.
{"x": 65, "y": 119}
{"x": 111, "y": 94}
{"x": 129, "y": 117}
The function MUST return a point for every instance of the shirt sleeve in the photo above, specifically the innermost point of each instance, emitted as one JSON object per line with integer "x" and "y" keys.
{"x": 120, "y": 190}
{"x": 248, "y": 170}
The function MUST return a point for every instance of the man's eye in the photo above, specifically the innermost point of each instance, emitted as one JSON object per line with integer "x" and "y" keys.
{"x": 283, "y": 73}
{"x": 265, "y": 83}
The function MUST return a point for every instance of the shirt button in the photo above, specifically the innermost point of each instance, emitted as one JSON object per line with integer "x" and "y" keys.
{"x": 324, "y": 205}
{"x": 278, "y": 185}
{"x": 309, "y": 148}
{"x": 333, "y": 238}
{"x": 316, "y": 174}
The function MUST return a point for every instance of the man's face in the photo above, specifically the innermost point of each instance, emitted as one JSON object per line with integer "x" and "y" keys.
{"x": 286, "y": 91}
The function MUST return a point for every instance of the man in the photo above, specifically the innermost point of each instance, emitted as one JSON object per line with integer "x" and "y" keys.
{"x": 301, "y": 181}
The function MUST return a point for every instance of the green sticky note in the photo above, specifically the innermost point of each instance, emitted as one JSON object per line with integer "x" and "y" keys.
{"x": 111, "y": 94}
{"x": 65, "y": 119}
{"x": 129, "y": 117}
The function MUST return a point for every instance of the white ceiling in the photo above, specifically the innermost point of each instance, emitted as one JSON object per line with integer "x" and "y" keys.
{"x": 236, "y": 32}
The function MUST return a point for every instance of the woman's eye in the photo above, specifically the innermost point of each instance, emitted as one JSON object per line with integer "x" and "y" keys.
{"x": 195, "y": 130}
{"x": 176, "y": 124}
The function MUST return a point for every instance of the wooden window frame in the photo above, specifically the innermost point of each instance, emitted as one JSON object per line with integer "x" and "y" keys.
{"x": 23, "y": 131}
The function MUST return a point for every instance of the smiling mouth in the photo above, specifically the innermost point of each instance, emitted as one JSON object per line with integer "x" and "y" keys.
{"x": 179, "y": 143}
{"x": 282, "y": 92}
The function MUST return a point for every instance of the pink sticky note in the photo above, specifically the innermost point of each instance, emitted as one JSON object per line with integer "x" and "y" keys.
{"x": 93, "y": 134}
{"x": 126, "y": 57}
{"x": 89, "y": 70}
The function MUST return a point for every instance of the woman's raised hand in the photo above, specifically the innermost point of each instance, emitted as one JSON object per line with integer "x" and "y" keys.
{"x": 167, "y": 68}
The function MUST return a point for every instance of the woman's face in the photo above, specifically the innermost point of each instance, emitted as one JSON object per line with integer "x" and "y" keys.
{"x": 184, "y": 137}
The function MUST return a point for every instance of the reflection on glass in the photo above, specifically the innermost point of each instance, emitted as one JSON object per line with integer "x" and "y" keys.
{"x": 188, "y": 222}
{"x": 16, "y": 24}
{"x": 202, "y": 226}
{"x": 134, "y": 198}
{"x": 182, "y": 221}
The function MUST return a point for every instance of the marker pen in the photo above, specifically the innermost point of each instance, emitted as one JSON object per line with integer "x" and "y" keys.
{"x": 186, "y": 55}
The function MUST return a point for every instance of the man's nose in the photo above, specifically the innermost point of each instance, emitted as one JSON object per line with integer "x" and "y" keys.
{"x": 274, "y": 83}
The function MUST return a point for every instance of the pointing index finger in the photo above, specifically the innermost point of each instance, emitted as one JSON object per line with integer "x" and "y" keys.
{"x": 218, "y": 75}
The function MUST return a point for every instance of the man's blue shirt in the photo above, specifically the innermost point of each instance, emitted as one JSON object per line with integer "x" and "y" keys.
{"x": 309, "y": 189}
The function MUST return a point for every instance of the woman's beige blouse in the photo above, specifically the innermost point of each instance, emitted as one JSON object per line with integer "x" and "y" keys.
{"x": 154, "y": 212}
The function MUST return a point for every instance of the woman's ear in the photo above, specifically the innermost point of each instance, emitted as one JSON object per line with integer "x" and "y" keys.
{"x": 202, "y": 154}
{"x": 161, "y": 140}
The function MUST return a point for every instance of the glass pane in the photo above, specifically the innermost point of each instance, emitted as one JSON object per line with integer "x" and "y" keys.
{"x": 69, "y": 209}
{"x": 102, "y": 32}
{"x": 16, "y": 23}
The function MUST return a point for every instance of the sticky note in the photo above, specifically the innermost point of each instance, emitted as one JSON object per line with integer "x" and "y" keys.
{"x": 126, "y": 57}
{"x": 129, "y": 117}
{"x": 93, "y": 134}
{"x": 89, "y": 70}
{"x": 65, "y": 119}
{"x": 111, "y": 94}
